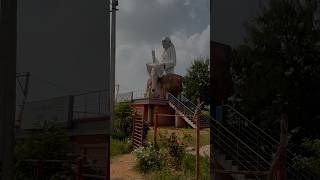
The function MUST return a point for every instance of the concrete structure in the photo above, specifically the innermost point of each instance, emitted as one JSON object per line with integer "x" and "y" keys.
{"x": 85, "y": 118}
{"x": 167, "y": 116}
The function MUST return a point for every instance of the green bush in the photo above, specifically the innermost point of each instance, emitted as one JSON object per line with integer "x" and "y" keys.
{"x": 120, "y": 147}
{"x": 148, "y": 158}
{"x": 123, "y": 122}
{"x": 176, "y": 151}
{"x": 309, "y": 159}
{"x": 49, "y": 143}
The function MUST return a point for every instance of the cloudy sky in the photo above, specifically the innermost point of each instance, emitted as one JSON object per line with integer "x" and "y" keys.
{"x": 62, "y": 43}
{"x": 141, "y": 26}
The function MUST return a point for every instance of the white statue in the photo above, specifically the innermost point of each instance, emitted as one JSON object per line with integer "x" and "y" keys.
{"x": 165, "y": 65}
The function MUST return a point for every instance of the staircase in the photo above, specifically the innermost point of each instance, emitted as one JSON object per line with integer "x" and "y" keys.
{"x": 138, "y": 129}
{"x": 260, "y": 141}
{"x": 242, "y": 149}
{"x": 186, "y": 109}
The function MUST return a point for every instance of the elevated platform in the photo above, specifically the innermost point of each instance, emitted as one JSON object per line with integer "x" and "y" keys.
{"x": 153, "y": 106}
{"x": 151, "y": 101}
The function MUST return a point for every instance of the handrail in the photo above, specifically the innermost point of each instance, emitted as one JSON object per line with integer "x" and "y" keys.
{"x": 232, "y": 108}
{"x": 265, "y": 137}
{"x": 268, "y": 138}
{"x": 172, "y": 96}
{"x": 239, "y": 140}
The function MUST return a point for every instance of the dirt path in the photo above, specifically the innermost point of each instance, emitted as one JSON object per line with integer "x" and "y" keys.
{"x": 122, "y": 168}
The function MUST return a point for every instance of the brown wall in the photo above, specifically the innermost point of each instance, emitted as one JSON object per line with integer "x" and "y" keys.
{"x": 164, "y": 120}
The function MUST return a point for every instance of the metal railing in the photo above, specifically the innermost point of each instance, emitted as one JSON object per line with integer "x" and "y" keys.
{"x": 91, "y": 104}
{"x": 204, "y": 121}
{"x": 185, "y": 110}
{"x": 251, "y": 135}
{"x": 236, "y": 150}
{"x": 259, "y": 140}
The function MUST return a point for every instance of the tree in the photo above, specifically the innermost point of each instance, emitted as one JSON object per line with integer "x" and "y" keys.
{"x": 123, "y": 123}
{"x": 278, "y": 65}
{"x": 310, "y": 156}
{"x": 196, "y": 81}
{"x": 49, "y": 143}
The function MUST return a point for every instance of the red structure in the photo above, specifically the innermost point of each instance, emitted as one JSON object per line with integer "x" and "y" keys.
{"x": 145, "y": 112}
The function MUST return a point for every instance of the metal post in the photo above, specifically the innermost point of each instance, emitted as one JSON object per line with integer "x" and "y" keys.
{"x": 85, "y": 106}
{"x": 197, "y": 144}
{"x": 133, "y": 128}
{"x": 107, "y": 175}
{"x": 39, "y": 166}
{"x": 99, "y": 103}
{"x": 113, "y": 56}
{"x": 108, "y": 93}
{"x": 79, "y": 169}
{"x": 155, "y": 128}
{"x": 112, "y": 72}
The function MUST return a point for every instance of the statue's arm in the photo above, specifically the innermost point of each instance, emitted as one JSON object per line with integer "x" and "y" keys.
{"x": 173, "y": 55}
{"x": 154, "y": 59}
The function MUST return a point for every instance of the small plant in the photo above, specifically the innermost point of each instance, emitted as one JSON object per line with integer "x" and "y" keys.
{"x": 147, "y": 158}
{"x": 120, "y": 147}
{"x": 176, "y": 150}
{"x": 126, "y": 146}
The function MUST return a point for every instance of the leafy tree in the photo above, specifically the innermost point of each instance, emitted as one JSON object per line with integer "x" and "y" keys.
{"x": 123, "y": 123}
{"x": 196, "y": 81}
{"x": 49, "y": 143}
{"x": 278, "y": 65}
{"x": 310, "y": 156}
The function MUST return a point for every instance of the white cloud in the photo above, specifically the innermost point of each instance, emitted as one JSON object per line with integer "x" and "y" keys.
{"x": 131, "y": 71}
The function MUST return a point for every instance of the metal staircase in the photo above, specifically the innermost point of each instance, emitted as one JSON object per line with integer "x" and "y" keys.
{"x": 242, "y": 149}
{"x": 185, "y": 108}
{"x": 138, "y": 129}
{"x": 259, "y": 140}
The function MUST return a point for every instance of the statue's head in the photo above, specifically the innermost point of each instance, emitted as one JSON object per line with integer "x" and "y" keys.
{"x": 166, "y": 42}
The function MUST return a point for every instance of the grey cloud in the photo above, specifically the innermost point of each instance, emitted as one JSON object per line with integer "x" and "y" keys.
{"x": 147, "y": 21}
{"x": 131, "y": 71}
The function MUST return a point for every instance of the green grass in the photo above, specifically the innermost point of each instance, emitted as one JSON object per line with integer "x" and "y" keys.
{"x": 187, "y": 135}
{"x": 187, "y": 172}
{"x": 118, "y": 147}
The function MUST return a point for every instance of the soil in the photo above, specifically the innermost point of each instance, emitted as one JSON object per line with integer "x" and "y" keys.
{"x": 122, "y": 168}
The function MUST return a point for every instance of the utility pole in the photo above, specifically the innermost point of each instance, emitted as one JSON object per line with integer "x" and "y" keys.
{"x": 107, "y": 175}
{"x": 112, "y": 64}
{"x": 8, "y": 41}
{"x": 24, "y": 90}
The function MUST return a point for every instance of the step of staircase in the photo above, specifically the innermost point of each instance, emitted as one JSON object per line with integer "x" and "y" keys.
{"x": 227, "y": 164}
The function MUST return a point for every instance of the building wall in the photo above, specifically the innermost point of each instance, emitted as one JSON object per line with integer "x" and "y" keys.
{"x": 164, "y": 120}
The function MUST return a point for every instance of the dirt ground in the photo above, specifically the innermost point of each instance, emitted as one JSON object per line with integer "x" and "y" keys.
{"x": 122, "y": 168}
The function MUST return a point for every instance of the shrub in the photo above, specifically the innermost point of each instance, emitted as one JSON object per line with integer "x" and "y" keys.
{"x": 123, "y": 122}
{"x": 118, "y": 134}
{"x": 120, "y": 147}
{"x": 176, "y": 150}
{"x": 49, "y": 143}
{"x": 147, "y": 158}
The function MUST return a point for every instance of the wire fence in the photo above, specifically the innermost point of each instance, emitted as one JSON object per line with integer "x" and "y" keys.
{"x": 130, "y": 96}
